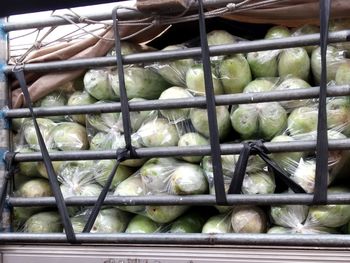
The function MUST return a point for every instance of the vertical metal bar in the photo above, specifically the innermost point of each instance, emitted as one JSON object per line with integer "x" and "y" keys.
{"x": 211, "y": 109}
{"x": 4, "y": 129}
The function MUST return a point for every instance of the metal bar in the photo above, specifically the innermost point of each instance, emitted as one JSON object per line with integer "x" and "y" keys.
{"x": 235, "y": 148}
{"x": 123, "y": 14}
{"x": 147, "y": 57}
{"x": 201, "y": 200}
{"x": 4, "y": 129}
{"x": 228, "y": 99}
{"x": 278, "y": 240}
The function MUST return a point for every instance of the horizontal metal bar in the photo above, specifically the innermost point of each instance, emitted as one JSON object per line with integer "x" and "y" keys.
{"x": 234, "y": 148}
{"x": 123, "y": 14}
{"x": 147, "y": 57}
{"x": 228, "y": 99}
{"x": 197, "y": 200}
{"x": 278, "y": 240}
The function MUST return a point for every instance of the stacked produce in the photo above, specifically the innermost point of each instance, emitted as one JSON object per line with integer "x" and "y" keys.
{"x": 262, "y": 71}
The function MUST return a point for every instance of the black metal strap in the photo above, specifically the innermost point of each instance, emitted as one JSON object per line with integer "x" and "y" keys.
{"x": 11, "y": 169}
{"x": 62, "y": 208}
{"x": 321, "y": 179}
{"x": 211, "y": 108}
{"x": 259, "y": 148}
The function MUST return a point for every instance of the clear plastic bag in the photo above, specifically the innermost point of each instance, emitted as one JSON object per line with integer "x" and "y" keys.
{"x": 109, "y": 220}
{"x": 160, "y": 176}
{"x": 240, "y": 219}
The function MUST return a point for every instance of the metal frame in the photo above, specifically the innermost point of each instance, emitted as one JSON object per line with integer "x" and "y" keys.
{"x": 224, "y": 239}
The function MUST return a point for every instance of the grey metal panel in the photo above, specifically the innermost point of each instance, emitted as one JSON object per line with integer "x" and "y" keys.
{"x": 153, "y": 254}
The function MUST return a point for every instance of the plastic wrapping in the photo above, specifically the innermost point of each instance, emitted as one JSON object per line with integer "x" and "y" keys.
{"x": 301, "y": 166}
{"x": 291, "y": 83}
{"x": 163, "y": 176}
{"x": 38, "y": 187}
{"x": 195, "y": 81}
{"x": 65, "y": 136}
{"x": 277, "y": 32}
{"x": 199, "y": 120}
{"x": 342, "y": 76}
{"x": 109, "y": 220}
{"x": 301, "y": 219}
{"x": 43, "y": 222}
{"x": 80, "y": 98}
{"x": 260, "y": 120}
{"x": 54, "y": 99}
{"x": 234, "y": 73}
{"x": 304, "y": 119}
{"x": 294, "y": 62}
{"x": 263, "y": 64}
{"x": 306, "y": 30}
{"x": 97, "y": 84}
{"x": 174, "y": 71}
{"x": 240, "y": 219}
{"x": 140, "y": 82}
{"x": 335, "y": 58}
{"x": 140, "y": 224}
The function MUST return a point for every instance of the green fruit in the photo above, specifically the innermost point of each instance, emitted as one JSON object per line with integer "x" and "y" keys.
{"x": 156, "y": 173}
{"x": 188, "y": 179}
{"x": 217, "y": 224}
{"x": 264, "y": 120}
{"x": 259, "y": 85}
{"x": 294, "y": 62}
{"x": 277, "y": 32}
{"x": 111, "y": 220}
{"x": 35, "y": 188}
{"x": 291, "y": 84}
{"x": 164, "y": 214}
{"x": 139, "y": 83}
{"x": 302, "y": 120}
{"x": 142, "y": 225}
{"x": 97, "y": 85}
{"x": 70, "y": 136}
{"x": 342, "y": 76}
{"x": 330, "y": 215}
{"x": 21, "y": 215}
{"x": 44, "y": 222}
{"x": 104, "y": 121}
{"x": 263, "y": 64}
{"x": 158, "y": 133}
{"x": 175, "y": 115}
{"x": 54, "y": 99}
{"x": 288, "y": 160}
{"x": 27, "y": 168}
{"x": 290, "y": 216}
{"x": 132, "y": 186}
{"x": 306, "y": 30}
{"x": 103, "y": 168}
{"x": 258, "y": 183}
{"x": 192, "y": 139}
{"x": 234, "y": 74}
{"x": 248, "y": 219}
{"x": 199, "y": 119}
{"x": 220, "y": 37}
{"x": 175, "y": 71}
{"x": 191, "y": 222}
{"x": 334, "y": 58}
{"x": 46, "y": 126}
{"x": 80, "y": 98}
{"x": 195, "y": 81}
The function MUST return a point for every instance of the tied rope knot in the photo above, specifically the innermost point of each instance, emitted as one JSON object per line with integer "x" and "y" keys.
{"x": 231, "y": 7}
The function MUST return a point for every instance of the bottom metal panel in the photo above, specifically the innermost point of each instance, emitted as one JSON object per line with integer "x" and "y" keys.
{"x": 168, "y": 254}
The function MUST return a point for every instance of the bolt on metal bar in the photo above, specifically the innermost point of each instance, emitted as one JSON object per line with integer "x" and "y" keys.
{"x": 198, "y": 200}
{"x": 123, "y": 14}
{"x": 234, "y": 148}
{"x": 322, "y": 240}
{"x": 147, "y": 57}
{"x": 228, "y": 99}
